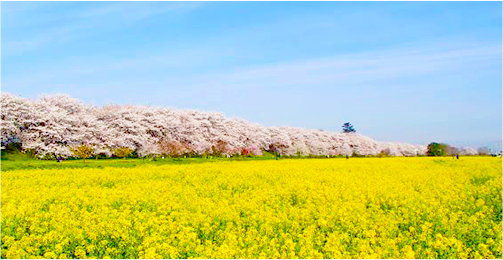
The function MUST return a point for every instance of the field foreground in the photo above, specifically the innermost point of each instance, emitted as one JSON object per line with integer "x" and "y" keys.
{"x": 357, "y": 208}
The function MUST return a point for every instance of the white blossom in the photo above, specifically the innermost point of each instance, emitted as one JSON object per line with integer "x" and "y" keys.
{"x": 50, "y": 124}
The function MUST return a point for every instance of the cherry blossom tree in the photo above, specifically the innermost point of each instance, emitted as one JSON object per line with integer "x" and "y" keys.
{"x": 468, "y": 151}
{"x": 51, "y": 124}
{"x": 171, "y": 148}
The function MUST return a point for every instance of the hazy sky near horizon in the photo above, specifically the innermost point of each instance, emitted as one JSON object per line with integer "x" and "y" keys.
{"x": 398, "y": 71}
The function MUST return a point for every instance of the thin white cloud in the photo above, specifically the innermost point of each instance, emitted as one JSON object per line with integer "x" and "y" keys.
{"x": 356, "y": 68}
{"x": 19, "y": 8}
{"x": 45, "y": 38}
{"x": 80, "y": 24}
{"x": 340, "y": 69}
{"x": 133, "y": 11}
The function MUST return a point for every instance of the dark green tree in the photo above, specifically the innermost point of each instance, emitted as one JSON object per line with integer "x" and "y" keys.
{"x": 436, "y": 149}
{"x": 348, "y": 128}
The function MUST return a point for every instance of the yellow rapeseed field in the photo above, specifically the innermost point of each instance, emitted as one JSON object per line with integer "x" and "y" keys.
{"x": 316, "y": 208}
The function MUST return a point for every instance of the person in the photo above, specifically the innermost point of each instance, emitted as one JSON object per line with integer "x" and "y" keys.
{"x": 60, "y": 158}
{"x": 457, "y": 156}
{"x": 347, "y": 156}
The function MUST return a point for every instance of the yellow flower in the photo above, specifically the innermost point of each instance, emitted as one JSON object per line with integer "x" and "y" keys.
{"x": 330, "y": 208}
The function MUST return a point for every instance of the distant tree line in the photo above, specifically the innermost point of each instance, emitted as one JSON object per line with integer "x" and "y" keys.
{"x": 51, "y": 127}
{"x": 442, "y": 149}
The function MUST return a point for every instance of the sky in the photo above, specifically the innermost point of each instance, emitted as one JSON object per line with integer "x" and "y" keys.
{"x": 414, "y": 72}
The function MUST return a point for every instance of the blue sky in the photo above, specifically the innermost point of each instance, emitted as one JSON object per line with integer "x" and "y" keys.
{"x": 399, "y": 71}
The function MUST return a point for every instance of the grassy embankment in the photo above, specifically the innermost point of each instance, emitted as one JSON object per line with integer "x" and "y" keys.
{"x": 18, "y": 161}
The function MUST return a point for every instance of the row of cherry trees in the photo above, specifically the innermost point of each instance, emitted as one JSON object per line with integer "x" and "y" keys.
{"x": 52, "y": 125}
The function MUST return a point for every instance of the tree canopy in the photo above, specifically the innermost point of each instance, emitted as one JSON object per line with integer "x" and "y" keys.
{"x": 51, "y": 124}
{"x": 436, "y": 149}
{"x": 348, "y": 128}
